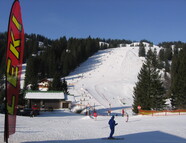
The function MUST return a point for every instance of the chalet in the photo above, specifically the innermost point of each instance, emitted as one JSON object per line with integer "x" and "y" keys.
{"x": 102, "y": 44}
{"x": 44, "y": 84}
{"x": 54, "y": 99}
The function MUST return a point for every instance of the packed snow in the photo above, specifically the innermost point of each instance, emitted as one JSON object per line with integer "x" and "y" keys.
{"x": 104, "y": 82}
{"x": 66, "y": 127}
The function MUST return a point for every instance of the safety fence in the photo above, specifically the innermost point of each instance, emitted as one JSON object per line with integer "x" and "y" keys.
{"x": 163, "y": 112}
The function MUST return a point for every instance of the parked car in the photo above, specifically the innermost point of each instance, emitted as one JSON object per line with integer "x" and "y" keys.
{"x": 50, "y": 109}
{"x": 2, "y": 108}
{"x": 27, "y": 112}
{"x": 35, "y": 107}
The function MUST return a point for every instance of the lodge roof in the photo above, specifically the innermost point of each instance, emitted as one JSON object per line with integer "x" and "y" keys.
{"x": 44, "y": 95}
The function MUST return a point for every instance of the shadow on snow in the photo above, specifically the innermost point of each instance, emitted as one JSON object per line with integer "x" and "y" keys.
{"x": 56, "y": 113}
{"x": 95, "y": 60}
{"x": 114, "y": 110}
{"x": 144, "y": 137}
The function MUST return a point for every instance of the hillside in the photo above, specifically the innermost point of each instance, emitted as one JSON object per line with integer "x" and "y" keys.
{"x": 107, "y": 78}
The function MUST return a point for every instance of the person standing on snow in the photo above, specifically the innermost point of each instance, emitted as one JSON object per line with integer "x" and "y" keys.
{"x": 112, "y": 123}
{"x": 32, "y": 113}
{"x": 122, "y": 112}
{"x": 95, "y": 115}
{"x": 127, "y": 117}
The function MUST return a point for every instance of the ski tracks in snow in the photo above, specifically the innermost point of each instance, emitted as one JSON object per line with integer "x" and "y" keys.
{"x": 113, "y": 79}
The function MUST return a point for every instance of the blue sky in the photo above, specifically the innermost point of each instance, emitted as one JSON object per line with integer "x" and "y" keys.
{"x": 154, "y": 20}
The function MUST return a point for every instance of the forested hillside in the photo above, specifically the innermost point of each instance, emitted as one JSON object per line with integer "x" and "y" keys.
{"x": 48, "y": 58}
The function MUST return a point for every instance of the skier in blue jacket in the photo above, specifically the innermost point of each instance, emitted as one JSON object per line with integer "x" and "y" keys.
{"x": 112, "y": 123}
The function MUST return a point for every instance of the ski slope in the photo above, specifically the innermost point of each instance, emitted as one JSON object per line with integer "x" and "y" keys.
{"x": 106, "y": 80}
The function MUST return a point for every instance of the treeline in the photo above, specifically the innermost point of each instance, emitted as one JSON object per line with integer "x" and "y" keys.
{"x": 58, "y": 57}
{"x": 153, "y": 89}
{"x": 3, "y": 39}
{"x": 113, "y": 43}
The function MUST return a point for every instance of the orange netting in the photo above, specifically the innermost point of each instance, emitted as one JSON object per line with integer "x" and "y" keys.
{"x": 163, "y": 112}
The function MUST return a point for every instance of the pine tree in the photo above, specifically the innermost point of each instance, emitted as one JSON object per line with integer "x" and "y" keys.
{"x": 167, "y": 84}
{"x": 31, "y": 76}
{"x": 2, "y": 95}
{"x": 64, "y": 86}
{"x": 178, "y": 74}
{"x": 167, "y": 66}
{"x": 149, "y": 90}
{"x": 162, "y": 55}
{"x": 140, "y": 94}
{"x": 168, "y": 53}
{"x": 142, "y": 51}
{"x": 57, "y": 84}
{"x": 2, "y": 53}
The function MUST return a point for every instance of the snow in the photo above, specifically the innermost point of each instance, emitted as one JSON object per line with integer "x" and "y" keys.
{"x": 45, "y": 95}
{"x": 65, "y": 127}
{"x": 103, "y": 44}
{"x": 23, "y": 76}
{"x": 107, "y": 78}
{"x": 104, "y": 81}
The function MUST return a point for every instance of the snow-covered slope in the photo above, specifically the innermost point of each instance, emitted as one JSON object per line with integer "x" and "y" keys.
{"x": 107, "y": 78}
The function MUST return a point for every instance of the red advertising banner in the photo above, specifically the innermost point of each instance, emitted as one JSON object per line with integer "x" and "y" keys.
{"x": 14, "y": 59}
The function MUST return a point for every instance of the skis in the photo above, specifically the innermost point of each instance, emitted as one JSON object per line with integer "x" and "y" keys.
{"x": 113, "y": 138}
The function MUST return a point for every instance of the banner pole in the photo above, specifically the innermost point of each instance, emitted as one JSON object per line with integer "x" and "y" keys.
{"x": 6, "y": 136}
{"x": 5, "y": 103}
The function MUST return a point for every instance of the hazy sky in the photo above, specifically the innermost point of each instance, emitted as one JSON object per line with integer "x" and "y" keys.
{"x": 154, "y": 20}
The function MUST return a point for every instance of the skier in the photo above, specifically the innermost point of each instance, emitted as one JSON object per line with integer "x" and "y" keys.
{"x": 32, "y": 113}
{"x": 109, "y": 112}
{"x": 95, "y": 115}
{"x": 127, "y": 117}
{"x": 112, "y": 123}
{"x": 123, "y": 112}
